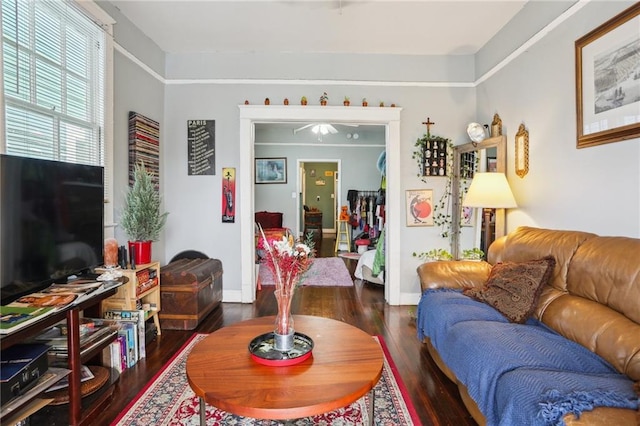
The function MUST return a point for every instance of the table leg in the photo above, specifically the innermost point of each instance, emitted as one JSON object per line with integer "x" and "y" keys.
{"x": 203, "y": 412}
{"x": 372, "y": 402}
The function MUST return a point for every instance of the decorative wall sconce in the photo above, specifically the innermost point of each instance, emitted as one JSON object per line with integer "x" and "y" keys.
{"x": 522, "y": 151}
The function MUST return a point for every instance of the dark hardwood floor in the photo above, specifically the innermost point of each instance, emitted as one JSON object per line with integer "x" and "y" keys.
{"x": 434, "y": 396}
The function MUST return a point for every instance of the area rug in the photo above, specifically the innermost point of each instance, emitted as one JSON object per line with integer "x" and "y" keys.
{"x": 350, "y": 255}
{"x": 324, "y": 272}
{"x": 168, "y": 400}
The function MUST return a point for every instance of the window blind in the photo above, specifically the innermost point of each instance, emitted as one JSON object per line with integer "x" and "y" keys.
{"x": 54, "y": 82}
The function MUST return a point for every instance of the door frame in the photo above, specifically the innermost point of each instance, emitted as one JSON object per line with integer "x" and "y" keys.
{"x": 389, "y": 117}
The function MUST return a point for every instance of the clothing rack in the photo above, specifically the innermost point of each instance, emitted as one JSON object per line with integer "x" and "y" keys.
{"x": 366, "y": 214}
{"x": 353, "y": 195}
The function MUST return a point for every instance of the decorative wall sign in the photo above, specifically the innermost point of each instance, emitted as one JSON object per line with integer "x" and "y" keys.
{"x": 608, "y": 81}
{"x": 201, "y": 149}
{"x": 419, "y": 203}
{"x": 144, "y": 145}
{"x": 271, "y": 170}
{"x": 228, "y": 194}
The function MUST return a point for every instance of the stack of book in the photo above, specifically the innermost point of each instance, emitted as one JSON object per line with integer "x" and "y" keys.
{"x": 147, "y": 279}
{"x": 130, "y": 345}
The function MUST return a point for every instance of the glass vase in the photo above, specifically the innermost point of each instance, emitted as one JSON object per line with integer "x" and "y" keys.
{"x": 283, "y": 333}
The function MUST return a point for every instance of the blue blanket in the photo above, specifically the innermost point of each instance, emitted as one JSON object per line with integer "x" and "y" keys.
{"x": 518, "y": 373}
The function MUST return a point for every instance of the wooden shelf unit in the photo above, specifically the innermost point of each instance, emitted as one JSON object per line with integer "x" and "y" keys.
{"x": 128, "y": 295}
{"x": 77, "y": 413}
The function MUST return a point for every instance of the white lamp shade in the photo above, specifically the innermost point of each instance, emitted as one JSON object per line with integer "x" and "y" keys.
{"x": 490, "y": 190}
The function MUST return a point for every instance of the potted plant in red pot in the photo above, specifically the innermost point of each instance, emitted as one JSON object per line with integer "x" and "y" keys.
{"x": 141, "y": 217}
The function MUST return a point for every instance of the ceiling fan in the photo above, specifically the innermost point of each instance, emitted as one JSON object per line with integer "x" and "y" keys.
{"x": 321, "y": 128}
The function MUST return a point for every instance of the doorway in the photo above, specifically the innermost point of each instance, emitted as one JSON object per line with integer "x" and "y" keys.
{"x": 389, "y": 117}
{"x": 319, "y": 190}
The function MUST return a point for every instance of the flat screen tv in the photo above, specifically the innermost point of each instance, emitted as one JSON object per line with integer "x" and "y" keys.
{"x": 52, "y": 226}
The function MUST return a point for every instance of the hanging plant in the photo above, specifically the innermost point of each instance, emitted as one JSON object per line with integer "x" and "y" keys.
{"x": 442, "y": 216}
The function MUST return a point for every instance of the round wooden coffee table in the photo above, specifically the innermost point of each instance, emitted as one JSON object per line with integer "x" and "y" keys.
{"x": 346, "y": 363}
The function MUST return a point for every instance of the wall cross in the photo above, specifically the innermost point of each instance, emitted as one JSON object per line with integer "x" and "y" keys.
{"x": 428, "y": 123}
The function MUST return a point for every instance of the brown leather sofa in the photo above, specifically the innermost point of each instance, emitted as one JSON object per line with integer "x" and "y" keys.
{"x": 593, "y": 298}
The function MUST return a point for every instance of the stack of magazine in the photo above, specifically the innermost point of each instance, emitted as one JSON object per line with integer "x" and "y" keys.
{"x": 91, "y": 336}
{"x": 35, "y": 306}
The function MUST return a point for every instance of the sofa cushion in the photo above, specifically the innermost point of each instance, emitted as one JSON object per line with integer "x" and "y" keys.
{"x": 527, "y": 243}
{"x": 513, "y": 288}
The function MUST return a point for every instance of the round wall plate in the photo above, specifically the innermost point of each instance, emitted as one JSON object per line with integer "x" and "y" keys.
{"x": 476, "y": 132}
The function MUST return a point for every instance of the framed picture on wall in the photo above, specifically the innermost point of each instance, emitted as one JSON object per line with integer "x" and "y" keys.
{"x": 271, "y": 170}
{"x": 467, "y": 217}
{"x": 608, "y": 81}
{"x": 419, "y": 204}
{"x": 492, "y": 164}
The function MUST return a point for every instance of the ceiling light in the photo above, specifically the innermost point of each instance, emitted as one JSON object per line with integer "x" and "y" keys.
{"x": 320, "y": 128}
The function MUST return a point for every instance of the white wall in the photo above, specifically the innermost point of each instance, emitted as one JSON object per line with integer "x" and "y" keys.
{"x": 591, "y": 189}
{"x": 194, "y": 201}
{"x": 594, "y": 189}
{"x": 138, "y": 87}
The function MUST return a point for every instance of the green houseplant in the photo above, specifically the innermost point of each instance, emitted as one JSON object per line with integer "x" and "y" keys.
{"x": 141, "y": 217}
{"x": 433, "y": 255}
{"x": 472, "y": 254}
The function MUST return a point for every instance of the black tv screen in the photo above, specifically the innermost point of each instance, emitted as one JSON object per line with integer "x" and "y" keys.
{"x": 52, "y": 226}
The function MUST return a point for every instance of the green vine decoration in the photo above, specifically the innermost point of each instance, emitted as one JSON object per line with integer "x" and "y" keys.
{"x": 442, "y": 209}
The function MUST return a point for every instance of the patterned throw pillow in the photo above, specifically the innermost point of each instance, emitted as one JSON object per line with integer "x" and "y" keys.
{"x": 513, "y": 289}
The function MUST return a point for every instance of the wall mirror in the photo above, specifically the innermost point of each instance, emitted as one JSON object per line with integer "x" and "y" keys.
{"x": 466, "y": 226}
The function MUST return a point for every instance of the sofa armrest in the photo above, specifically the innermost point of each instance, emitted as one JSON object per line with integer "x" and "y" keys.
{"x": 453, "y": 274}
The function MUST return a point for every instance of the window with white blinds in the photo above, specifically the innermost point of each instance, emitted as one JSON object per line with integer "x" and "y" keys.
{"x": 54, "y": 83}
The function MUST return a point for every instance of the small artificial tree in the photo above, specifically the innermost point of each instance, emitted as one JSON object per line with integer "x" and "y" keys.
{"x": 141, "y": 218}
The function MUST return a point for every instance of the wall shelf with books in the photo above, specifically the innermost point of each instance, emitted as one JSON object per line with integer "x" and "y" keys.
{"x": 141, "y": 292}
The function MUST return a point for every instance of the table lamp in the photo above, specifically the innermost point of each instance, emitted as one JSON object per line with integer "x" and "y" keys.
{"x": 489, "y": 191}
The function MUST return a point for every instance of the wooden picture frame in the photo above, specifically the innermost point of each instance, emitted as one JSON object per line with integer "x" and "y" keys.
{"x": 419, "y": 203}
{"x": 606, "y": 88}
{"x": 522, "y": 151}
{"x": 271, "y": 170}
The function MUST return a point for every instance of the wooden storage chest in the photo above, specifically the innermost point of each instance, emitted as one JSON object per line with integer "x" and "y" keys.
{"x": 189, "y": 289}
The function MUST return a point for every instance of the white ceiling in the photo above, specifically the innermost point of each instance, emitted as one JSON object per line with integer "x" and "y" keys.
{"x": 413, "y": 27}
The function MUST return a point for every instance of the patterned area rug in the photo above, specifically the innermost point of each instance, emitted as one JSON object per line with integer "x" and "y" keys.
{"x": 324, "y": 272}
{"x": 168, "y": 400}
